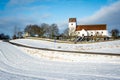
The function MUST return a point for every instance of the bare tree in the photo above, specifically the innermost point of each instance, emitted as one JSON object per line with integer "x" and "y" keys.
{"x": 4, "y": 37}
{"x": 33, "y": 30}
{"x": 66, "y": 32}
{"x": 20, "y": 34}
{"x": 15, "y": 31}
{"x": 115, "y": 33}
{"x": 45, "y": 29}
{"x": 53, "y": 30}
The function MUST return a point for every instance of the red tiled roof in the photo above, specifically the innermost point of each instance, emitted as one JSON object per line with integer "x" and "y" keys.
{"x": 91, "y": 27}
{"x": 72, "y": 19}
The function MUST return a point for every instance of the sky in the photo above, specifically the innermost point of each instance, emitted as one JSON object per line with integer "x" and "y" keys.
{"x": 24, "y": 12}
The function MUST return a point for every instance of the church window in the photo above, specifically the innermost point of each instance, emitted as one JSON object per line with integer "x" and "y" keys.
{"x": 101, "y": 33}
{"x": 91, "y": 32}
{"x": 97, "y": 33}
{"x": 82, "y": 34}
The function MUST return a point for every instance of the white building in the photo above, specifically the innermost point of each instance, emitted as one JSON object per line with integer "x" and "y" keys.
{"x": 86, "y": 30}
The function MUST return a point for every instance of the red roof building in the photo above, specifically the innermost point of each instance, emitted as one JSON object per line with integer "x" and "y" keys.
{"x": 86, "y": 30}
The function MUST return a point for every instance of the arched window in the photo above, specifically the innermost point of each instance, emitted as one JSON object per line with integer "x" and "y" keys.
{"x": 97, "y": 33}
{"x": 78, "y": 32}
{"x": 102, "y": 33}
{"x": 91, "y": 34}
{"x": 83, "y": 35}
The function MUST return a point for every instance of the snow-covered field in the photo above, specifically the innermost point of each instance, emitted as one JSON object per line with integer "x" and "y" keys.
{"x": 15, "y": 64}
{"x": 103, "y": 47}
{"x": 69, "y": 57}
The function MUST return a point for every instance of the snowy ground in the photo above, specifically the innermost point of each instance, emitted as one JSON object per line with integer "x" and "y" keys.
{"x": 103, "y": 47}
{"x": 15, "y": 64}
{"x": 69, "y": 57}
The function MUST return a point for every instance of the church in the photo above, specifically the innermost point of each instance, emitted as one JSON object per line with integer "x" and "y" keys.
{"x": 86, "y": 30}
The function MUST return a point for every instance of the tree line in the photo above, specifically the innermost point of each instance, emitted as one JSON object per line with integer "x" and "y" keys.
{"x": 4, "y": 37}
{"x": 43, "y": 30}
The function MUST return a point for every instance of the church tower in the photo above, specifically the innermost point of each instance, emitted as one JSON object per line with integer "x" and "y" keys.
{"x": 72, "y": 26}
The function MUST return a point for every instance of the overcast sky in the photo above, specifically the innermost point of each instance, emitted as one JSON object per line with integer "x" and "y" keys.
{"x": 23, "y": 12}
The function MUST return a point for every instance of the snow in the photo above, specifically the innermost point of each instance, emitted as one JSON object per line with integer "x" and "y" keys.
{"x": 9, "y": 76}
{"x": 15, "y": 64}
{"x": 103, "y": 47}
{"x": 69, "y": 57}
{"x": 14, "y": 61}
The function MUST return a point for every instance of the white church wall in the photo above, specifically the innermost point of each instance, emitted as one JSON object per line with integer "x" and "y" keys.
{"x": 78, "y": 33}
{"x": 91, "y": 32}
{"x": 97, "y": 32}
{"x": 72, "y": 27}
{"x": 105, "y": 33}
{"x": 82, "y": 33}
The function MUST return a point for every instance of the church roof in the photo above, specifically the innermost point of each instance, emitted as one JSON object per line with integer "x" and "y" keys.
{"x": 72, "y": 19}
{"x": 91, "y": 27}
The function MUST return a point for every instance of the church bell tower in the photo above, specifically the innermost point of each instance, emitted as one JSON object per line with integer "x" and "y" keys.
{"x": 72, "y": 26}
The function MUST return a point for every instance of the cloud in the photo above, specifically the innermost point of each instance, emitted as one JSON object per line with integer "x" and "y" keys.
{"x": 8, "y": 23}
{"x": 18, "y": 13}
{"x": 19, "y": 2}
{"x": 109, "y": 15}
